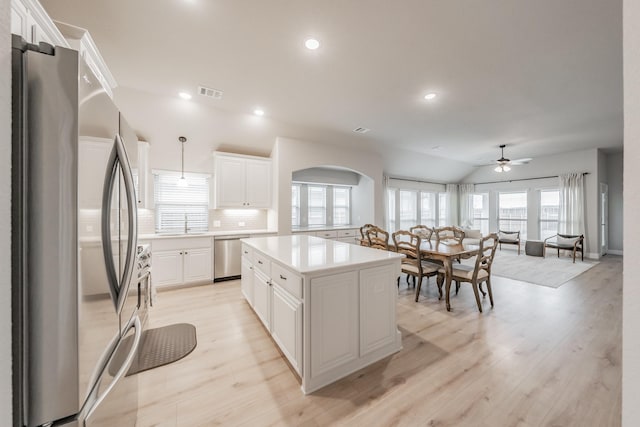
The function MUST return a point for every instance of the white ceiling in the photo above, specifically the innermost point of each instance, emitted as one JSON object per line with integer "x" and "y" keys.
{"x": 542, "y": 76}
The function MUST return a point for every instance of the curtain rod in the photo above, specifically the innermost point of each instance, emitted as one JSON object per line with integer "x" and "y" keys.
{"x": 522, "y": 179}
{"x": 415, "y": 180}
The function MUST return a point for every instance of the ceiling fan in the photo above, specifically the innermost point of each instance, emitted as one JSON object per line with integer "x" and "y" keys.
{"x": 504, "y": 164}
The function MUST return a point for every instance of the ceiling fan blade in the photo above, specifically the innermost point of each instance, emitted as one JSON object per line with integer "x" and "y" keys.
{"x": 522, "y": 161}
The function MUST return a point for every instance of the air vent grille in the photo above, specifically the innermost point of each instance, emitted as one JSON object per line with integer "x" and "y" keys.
{"x": 361, "y": 130}
{"x": 209, "y": 92}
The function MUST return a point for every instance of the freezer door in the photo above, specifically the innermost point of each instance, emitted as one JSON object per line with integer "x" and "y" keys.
{"x": 49, "y": 325}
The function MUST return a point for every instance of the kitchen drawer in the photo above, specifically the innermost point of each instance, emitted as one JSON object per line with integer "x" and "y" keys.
{"x": 347, "y": 233}
{"x": 262, "y": 263}
{"x": 287, "y": 279}
{"x": 327, "y": 234}
{"x": 247, "y": 252}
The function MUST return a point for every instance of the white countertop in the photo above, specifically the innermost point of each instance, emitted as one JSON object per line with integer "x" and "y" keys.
{"x": 306, "y": 254}
{"x": 207, "y": 234}
{"x": 324, "y": 228}
{"x": 98, "y": 239}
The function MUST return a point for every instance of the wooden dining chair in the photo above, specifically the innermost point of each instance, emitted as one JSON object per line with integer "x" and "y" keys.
{"x": 477, "y": 274}
{"x": 364, "y": 239}
{"x": 378, "y": 238}
{"x": 449, "y": 234}
{"x": 413, "y": 264}
{"x": 423, "y": 231}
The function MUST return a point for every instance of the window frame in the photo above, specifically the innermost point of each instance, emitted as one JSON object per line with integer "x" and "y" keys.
{"x": 329, "y": 213}
{"x": 393, "y": 197}
{"x": 486, "y": 196}
{"x": 547, "y": 221}
{"x": 166, "y": 207}
{"x": 525, "y": 221}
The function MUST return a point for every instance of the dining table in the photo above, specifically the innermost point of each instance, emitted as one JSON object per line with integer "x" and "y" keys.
{"x": 447, "y": 251}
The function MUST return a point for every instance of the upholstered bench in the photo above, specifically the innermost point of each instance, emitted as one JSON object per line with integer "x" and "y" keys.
{"x": 534, "y": 248}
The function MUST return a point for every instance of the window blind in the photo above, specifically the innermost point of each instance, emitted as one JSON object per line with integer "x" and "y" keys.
{"x": 177, "y": 207}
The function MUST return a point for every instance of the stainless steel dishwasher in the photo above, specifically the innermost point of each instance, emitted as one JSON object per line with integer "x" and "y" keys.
{"x": 227, "y": 257}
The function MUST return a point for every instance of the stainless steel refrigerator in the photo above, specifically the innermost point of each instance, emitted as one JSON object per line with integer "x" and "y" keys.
{"x": 71, "y": 348}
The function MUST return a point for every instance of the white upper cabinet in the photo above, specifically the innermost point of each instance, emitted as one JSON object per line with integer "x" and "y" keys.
{"x": 242, "y": 181}
{"x": 30, "y": 20}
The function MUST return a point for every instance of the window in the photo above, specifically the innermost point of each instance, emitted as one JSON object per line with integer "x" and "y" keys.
{"x": 480, "y": 208}
{"x": 179, "y": 207}
{"x": 341, "y": 206}
{"x": 428, "y": 209}
{"x": 443, "y": 204}
{"x": 317, "y": 205}
{"x": 512, "y": 212}
{"x": 295, "y": 205}
{"x": 549, "y": 208}
{"x": 408, "y": 209}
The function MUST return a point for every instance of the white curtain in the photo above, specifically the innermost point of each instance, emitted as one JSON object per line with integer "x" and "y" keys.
{"x": 385, "y": 198}
{"x": 452, "y": 199}
{"x": 466, "y": 207}
{"x": 571, "y": 214}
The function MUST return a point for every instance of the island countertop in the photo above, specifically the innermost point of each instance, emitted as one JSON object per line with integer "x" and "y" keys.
{"x": 307, "y": 254}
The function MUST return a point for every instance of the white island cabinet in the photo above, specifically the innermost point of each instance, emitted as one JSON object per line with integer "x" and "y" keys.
{"x": 330, "y": 306}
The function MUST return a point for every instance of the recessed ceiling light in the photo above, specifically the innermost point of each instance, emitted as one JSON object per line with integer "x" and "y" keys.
{"x": 258, "y": 112}
{"x": 184, "y": 95}
{"x": 312, "y": 44}
{"x": 430, "y": 96}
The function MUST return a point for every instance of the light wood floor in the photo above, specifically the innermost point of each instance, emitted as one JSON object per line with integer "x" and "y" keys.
{"x": 541, "y": 357}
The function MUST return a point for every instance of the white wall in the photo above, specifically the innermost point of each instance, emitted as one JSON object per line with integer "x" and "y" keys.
{"x": 5, "y": 213}
{"x": 290, "y": 155}
{"x": 616, "y": 206}
{"x": 631, "y": 287}
{"x": 577, "y": 161}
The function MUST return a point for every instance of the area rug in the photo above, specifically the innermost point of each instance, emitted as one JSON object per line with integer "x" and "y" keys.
{"x": 158, "y": 347}
{"x": 550, "y": 271}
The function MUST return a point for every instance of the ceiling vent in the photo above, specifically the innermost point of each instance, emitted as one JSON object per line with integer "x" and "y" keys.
{"x": 361, "y": 130}
{"x": 210, "y": 93}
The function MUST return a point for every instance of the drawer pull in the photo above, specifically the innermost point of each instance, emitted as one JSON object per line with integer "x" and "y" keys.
{"x": 282, "y": 277}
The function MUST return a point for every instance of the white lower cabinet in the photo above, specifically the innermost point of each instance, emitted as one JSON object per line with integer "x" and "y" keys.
{"x": 181, "y": 261}
{"x": 328, "y": 321}
{"x": 197, "y": 265}
{"x": 167, "y": 267}
{"x": 246, "y": 283}
{"x": 262, "y": 297}
{"x": 334, "y": 321}
{"x": 286, "y": 325}
{"x": 377, "y": 308}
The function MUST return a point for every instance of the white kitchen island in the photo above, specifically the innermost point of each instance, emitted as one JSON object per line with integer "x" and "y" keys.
{"x": 330, "y": 306}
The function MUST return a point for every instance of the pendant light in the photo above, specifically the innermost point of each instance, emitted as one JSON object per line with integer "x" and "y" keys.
{"x": 182, "y": 182}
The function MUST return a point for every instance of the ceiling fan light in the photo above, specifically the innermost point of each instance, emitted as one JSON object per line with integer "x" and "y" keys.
{"x": 498, "y": 169}
{"x": 506, "y": 168}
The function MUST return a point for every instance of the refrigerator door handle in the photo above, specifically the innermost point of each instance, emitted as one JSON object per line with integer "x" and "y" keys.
{"x": 132, "y": 216}
{"x": 134, "y": 322}
{"x": 119, "y": 289}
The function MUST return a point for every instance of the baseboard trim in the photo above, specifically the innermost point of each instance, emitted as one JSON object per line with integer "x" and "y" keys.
{"x": 614, "y": 252}
{"x": 592, "y": 255}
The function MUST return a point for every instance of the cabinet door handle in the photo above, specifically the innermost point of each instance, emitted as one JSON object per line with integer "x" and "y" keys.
{"x": 180, "y": 253}
{"x": 186, "y": 253}
{"x": 259, "y": 262}
{"x": 246, "y": 252}
{"x": 282, "y": 277}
